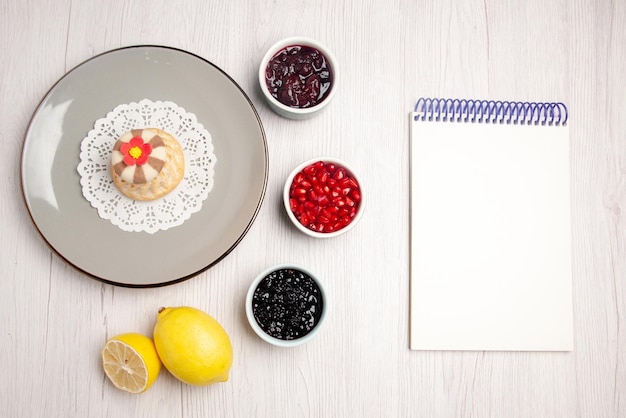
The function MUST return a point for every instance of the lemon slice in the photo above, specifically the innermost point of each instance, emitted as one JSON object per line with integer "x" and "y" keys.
{"x": 131, "y": 362}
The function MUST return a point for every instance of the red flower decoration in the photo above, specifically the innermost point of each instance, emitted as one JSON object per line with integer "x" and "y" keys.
{"x": 136, "y": 151}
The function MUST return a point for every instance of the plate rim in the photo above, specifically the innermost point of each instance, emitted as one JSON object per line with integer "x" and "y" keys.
{"x": 186, "y": 276}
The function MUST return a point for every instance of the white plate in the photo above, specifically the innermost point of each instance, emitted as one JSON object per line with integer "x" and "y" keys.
{"x": 51, "y": 184}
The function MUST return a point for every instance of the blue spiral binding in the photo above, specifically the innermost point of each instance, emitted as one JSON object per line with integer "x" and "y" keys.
{"x": 489, "y": 111}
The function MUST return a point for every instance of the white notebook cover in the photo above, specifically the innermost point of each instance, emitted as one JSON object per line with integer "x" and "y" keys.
{"x": 490, "y": 237}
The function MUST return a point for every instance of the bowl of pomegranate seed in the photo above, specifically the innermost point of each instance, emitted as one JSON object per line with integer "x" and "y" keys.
{"x": 298, "y": 77}
{"x": 323, "y": 197}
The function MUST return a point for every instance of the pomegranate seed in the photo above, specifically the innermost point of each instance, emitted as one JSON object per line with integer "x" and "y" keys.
{"x": 344, "y": 183}
{"x": 339, "y": 174}
{"x": 324, "y": 197}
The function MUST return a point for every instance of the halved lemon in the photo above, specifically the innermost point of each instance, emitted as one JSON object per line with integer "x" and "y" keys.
{"x": 131, "y": 362}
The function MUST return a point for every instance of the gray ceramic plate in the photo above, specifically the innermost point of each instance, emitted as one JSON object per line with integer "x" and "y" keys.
{"x": 51, "y": 184}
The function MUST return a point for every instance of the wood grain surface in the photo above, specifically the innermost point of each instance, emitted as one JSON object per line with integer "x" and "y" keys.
{"x": 54, "y": 320}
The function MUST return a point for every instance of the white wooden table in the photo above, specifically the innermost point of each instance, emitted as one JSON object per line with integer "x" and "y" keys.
{"x": 54, "y": 319}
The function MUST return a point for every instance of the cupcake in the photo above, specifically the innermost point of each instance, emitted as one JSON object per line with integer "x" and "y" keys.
{"x": 147, "y": 164}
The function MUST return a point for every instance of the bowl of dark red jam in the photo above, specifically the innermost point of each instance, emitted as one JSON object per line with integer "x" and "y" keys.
{"x": 286, "y": 305}
{"x": 323, "y": 197}
{"x": 298, "y": 77}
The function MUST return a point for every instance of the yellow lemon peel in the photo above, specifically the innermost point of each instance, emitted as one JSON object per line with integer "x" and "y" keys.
{"x": 193, "y": 346}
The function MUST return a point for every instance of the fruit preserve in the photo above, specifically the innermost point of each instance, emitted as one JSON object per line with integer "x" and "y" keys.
{"x": 324, "y": 197}
{"x": 299, "y": 76}
{"x": 287, "y": 304}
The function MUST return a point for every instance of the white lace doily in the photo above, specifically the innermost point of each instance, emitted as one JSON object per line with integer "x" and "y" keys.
{"x": 168, "y": 211}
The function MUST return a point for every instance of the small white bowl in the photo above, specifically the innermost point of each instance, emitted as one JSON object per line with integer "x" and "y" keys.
{"x": 250, "y": 310}
{"x": 292, "y": 216}
{"x": 295, "y": 112}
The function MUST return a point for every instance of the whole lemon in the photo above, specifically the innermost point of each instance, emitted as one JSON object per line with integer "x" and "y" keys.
{"x": 193, "y": 346}
{"x": 131, "y": 362}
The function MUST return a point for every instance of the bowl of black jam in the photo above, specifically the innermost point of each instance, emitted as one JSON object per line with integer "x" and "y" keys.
{"x": 286, "y": 305}
{"x": 298, "y": 77}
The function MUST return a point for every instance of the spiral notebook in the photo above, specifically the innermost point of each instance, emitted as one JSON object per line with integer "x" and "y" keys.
{"x": 490, "y": 226}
